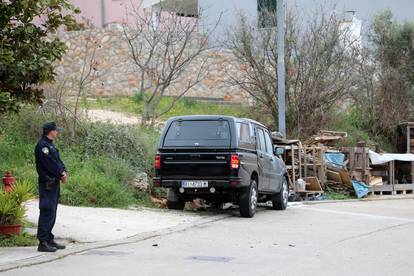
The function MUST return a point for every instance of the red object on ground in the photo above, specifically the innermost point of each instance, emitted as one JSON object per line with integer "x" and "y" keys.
{"x": 10, "y": 230}
{"x": 8, "y": 181}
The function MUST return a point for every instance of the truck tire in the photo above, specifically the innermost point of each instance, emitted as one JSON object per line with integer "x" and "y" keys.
{"x": 248, "y": 200}
{"x": 174, "y": 202}
{"x": 280, "y": 200}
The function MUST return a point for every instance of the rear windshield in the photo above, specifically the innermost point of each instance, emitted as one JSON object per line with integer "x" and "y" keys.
{"x": 198, "y": 134}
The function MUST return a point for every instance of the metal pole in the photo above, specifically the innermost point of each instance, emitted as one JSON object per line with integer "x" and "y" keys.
{"x": 102, "y": 13}
{"x": 281, "y": 66}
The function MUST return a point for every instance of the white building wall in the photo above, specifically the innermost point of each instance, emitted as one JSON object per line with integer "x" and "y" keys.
{"x": 228, "y": 11}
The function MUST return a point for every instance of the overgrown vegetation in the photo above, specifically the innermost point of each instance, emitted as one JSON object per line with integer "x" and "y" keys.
{"x": 24, "y": 239}
{"x": 100, "y": 165}
{"x": 385, "y": 94}
{"x": 352, "y": 120}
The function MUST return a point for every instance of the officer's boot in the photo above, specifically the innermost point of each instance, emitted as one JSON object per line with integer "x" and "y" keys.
{"x": 57, "y": 245}
{"x": 46, "y": 247}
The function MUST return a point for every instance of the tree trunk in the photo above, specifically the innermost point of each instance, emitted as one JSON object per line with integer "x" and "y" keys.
{"x": 145, "y": 114}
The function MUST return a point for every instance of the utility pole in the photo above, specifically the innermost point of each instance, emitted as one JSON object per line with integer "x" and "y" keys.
{"x": 102, "y": 13}
{"x": 281, "y": 66}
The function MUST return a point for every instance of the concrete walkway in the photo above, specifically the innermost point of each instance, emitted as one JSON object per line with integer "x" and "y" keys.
{"x": 84, "y": 224}
{"x": 82, "y": 228}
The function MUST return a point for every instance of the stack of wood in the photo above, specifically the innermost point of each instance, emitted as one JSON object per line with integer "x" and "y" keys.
{"x": 327, "y": 138}
{"x": 338, "y": 180}
{"x": 303, "y": 162}
{"x": 308, "y": 162}
{"x": 358, "y": 163}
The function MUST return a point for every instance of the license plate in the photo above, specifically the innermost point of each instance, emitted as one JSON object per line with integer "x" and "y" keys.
{"x": 194, "y": 184}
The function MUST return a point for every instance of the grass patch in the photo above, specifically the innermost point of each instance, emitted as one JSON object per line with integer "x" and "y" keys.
{"x": 24, "y": 239}
{"x": 186, "y": 106}
{"x": 338, "y": 196}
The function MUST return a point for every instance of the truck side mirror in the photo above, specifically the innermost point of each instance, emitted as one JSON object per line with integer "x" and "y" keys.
{"x": 278, "y": 151}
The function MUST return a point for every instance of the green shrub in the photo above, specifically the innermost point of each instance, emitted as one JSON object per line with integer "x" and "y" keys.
{"x": 24, "y": 239}
{"x": 354, "y": 123}
{"x": 117, "y": 142}
{"x": 18, "y": 158}
{"x": 100, "y": 182}
{"x": 24, "y": 126}
{"x": 11, "y": 203}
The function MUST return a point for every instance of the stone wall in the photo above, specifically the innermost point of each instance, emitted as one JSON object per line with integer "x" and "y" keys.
{"x": 114, "y": 68}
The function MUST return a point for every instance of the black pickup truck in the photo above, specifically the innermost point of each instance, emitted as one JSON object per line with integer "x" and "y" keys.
{"x": 220, "y": 159}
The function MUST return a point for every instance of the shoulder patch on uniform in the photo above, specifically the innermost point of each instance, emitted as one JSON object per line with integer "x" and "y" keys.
{"x": 45, "y": 150}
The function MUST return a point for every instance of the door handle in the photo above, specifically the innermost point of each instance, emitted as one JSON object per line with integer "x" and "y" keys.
{"x": 271, "y": 159}
{"x": 261, "y": 155}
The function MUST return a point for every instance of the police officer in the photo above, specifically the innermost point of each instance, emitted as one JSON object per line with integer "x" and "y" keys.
{"x": 51, "y": 171}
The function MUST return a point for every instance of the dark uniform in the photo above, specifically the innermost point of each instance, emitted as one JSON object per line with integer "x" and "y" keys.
{"x": 50, "y": 169}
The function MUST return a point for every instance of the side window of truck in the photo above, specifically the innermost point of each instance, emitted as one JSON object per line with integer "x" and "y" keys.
{"x": 269, "y": 144}
{"x": 246, "y": 137}
{"x": 244, "y": 134}
{"x": 261, "y": 145}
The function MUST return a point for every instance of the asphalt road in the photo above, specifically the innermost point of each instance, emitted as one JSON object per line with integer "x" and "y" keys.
{"x": 350, "y": 238}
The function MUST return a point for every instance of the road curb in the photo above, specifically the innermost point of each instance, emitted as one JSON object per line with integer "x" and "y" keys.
{"x": 47, "y": 258}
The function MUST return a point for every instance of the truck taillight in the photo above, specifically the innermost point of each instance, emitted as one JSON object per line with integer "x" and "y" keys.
{"x": 157, "y": 162}
{"x": 234, "y": 161}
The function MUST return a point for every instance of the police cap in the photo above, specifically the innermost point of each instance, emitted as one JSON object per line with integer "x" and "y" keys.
{"x": 49, "y": 126}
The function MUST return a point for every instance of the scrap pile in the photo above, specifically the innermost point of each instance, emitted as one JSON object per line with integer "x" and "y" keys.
{"x": 320, "y": 165}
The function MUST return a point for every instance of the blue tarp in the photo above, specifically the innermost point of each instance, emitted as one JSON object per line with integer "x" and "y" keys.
{"x": 335, "y": 159}
{"x": 361, "y": 189}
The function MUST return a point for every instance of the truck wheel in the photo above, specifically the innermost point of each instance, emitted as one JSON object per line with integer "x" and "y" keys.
{"x": 174, "y": 202}
{"x": 248, "y": 200}
{"x": 280, "y": 200}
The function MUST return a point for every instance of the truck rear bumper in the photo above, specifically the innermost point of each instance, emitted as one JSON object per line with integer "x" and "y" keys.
{"x": 230, "y": 183}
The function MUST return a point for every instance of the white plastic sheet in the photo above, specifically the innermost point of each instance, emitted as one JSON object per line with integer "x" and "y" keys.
{"x": 377, "y": 158}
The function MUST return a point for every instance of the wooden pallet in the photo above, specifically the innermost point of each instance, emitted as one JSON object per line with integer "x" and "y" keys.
{"x": 382, "y": 193}
{"x": 381, "y": 190}
{"x": 396, "y": 189}
{"x": 403, "y": 189}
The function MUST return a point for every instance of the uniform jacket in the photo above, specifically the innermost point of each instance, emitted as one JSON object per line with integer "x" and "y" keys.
{"x": 48, "y": 162}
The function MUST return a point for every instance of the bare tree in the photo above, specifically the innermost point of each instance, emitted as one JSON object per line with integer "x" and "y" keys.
{"x": 168, "y": 51}
{"x": 64, "y": 108}
{"x": 319, "y": 67}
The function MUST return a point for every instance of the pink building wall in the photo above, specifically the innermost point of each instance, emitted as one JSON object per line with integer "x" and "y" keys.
{"x": 114, "y": 10}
